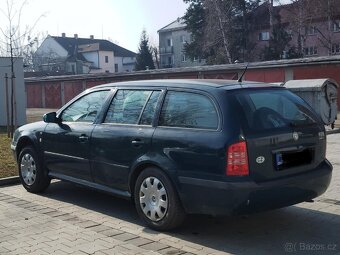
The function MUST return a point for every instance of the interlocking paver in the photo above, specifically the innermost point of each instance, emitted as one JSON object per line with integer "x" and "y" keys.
{"x": 140, "y": 241}
{"x": 112, "y": 232}
{"x": 72, "y": 220}
{"x": 99, "y": 228}
{"x": 125, "y": 236}
{"x": 154, "y": 246}
{"x": 171, "y": 251}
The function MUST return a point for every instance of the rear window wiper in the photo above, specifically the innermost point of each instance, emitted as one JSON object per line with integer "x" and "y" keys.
{"x": 303, "y": 124}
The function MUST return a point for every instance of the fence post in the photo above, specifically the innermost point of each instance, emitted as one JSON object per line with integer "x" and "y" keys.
{"x": 7, "y": 106}
{"x": 15, "y": 105}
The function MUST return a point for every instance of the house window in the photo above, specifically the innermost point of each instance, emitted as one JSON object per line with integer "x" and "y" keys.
{"x": 169, "y": 60}
{"x": 311, "y": 51}
{"x": 183, "y": 39}
{"x": 264, "y": 36}
{"x": 195, "y": 58}
{"x": 336, "y": 26}
{"x": 169, "y": 42}
{"x": 116, "y": 68}
{"x": 311, "y": 30}
{"x": 184, "y": 58}
{"x": 106, "y": 59}
{"x": 336, "y": 48}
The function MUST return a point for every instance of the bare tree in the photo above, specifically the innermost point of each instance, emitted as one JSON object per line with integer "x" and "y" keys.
{"x": 14, "y": 41}
{"x": 329, "y": 10}
{"x": 302, "y": 16}
{"x": 219, "y": 18}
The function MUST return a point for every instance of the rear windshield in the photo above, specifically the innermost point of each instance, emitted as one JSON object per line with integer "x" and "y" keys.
{"x": 274, "y": 108}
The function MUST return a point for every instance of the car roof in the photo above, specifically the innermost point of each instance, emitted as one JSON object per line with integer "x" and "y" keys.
{"x": 191, "y": 83}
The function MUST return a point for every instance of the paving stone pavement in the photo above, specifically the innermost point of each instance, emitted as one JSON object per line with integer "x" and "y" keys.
{"x": 69, "y": 219}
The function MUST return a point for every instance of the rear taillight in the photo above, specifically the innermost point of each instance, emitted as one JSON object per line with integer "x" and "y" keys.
{"x": 237, "y": 160}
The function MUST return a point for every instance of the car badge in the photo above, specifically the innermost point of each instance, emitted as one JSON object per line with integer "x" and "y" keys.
{"x": 260, "y": 159}
{"x": 295, "y": 136}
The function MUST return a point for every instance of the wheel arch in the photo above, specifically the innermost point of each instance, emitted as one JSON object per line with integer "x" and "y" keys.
{"x": 140, "y": 167}
{"x": 135, "y": 173}
{"x": 23, "y": 142}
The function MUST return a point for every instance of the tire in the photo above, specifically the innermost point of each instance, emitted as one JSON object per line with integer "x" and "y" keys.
{"x": 31, "y": 172}
{"x": 157, "y": 201}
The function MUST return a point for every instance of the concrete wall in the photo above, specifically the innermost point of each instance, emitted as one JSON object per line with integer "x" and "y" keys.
{"x": 109, "y": 66}
{"x": 50, "y": 45}
{"x": 20, "y": 94}
{"x": 125, "y": 64}
{"x": 176, "y": 51}
{"x": 93, "y": 57}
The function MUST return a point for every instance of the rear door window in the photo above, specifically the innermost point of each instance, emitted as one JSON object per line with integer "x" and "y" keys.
{"x": 269, "y": 109}
{"x": 133, "y": 107}
{"x": 188, "y": 110}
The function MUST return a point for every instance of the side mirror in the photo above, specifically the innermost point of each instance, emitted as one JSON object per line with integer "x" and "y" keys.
{"x": 51, "y": 117}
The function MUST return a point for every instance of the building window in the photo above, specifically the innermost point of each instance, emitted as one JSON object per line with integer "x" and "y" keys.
{"x": 169, "y": 60}
{"x": 336, "y": 48}
{"x": 336, "y": 26}
{"x": 106, "y": 59}
{"x": 311, "y": 30}
{"x": 116, "y": 68}
{"x": 195, "y": 58}
{"x": 264, "y": 36}
{"x": 184, "y": 58}
{"x": 169, "y": 42}
{"x": 183, "y": 39}
{"x": 311, "y": 51}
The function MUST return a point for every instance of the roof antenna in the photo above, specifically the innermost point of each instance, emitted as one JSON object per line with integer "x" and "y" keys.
{"x": 244, "y": 72}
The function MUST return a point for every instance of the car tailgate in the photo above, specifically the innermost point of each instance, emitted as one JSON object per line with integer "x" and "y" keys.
{"x": 276, "y": 154}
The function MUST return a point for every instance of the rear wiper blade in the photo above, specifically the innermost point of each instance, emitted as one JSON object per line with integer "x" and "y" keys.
{"x": 294, "y": 124}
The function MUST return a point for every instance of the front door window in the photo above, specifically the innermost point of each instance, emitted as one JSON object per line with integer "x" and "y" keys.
{"x": 86, "y": 108}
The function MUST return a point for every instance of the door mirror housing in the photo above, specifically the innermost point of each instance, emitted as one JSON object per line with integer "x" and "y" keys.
{"x": 51, "y": 117}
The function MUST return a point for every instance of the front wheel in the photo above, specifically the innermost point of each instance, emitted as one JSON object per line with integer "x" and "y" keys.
{"x": 31, "y": 172}
{"x": 156, "y": 200}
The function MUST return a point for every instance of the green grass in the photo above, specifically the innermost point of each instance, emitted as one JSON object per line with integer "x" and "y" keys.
{"x": 8, "y": 167}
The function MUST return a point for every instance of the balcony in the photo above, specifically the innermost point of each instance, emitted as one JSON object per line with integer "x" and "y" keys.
{"x": 167, "y": 50}
{"x": 167, "y": 66}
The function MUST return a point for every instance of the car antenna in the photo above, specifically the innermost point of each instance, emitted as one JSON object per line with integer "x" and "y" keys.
{"x": 244, "y": 72}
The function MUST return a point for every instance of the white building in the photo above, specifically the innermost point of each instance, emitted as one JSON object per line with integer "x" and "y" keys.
{"x": 172, "y": 40}
{"x": 20, "y": 96}
{"x": 76, "y": 55}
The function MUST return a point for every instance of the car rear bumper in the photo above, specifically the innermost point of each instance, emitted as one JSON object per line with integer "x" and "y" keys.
{"x": 226, "y": 198}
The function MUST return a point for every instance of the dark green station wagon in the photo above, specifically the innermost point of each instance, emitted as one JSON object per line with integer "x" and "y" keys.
{"x": 178, "y": 147}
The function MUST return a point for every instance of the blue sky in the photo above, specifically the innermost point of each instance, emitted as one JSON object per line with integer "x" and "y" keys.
{"x": 120, "y": 20}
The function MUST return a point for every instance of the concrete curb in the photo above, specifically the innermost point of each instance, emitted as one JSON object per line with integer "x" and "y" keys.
{"x": 9, "y": 181}
{"x": 333, "y": 131}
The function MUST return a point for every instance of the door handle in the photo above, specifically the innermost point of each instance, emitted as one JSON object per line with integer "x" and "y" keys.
{"x": 137, "y": 142}
{"x": 83, "y": 138}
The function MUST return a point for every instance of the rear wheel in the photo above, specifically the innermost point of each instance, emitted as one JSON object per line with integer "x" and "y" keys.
{"x": 156, "y": 200}
{"x": 31, "y": 172}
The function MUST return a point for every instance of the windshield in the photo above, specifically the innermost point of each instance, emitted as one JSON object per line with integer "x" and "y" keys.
{"x": 274, "y": 108}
